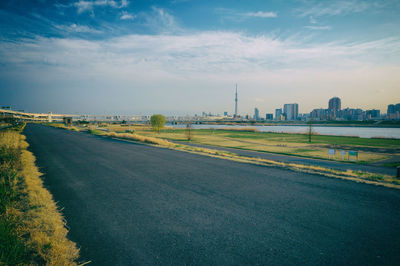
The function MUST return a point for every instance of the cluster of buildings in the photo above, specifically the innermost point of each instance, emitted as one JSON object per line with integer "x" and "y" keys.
{"x": 290, "y": 112}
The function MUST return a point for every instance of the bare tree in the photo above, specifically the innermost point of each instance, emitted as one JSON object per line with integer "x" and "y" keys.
{"x": 189, "y": 131}
{"x": 310, "y": 131}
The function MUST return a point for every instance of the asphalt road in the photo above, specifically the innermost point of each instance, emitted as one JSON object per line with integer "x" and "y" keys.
{"x": 134, "y": 204}
{"x": 372, "y": 168}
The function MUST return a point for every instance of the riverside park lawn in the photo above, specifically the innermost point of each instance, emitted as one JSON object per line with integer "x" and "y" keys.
{"x": 369, "y": 149}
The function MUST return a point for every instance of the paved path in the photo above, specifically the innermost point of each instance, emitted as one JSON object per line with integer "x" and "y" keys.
{"x": 374, "y": 168}
{"x": 134, "y": 204}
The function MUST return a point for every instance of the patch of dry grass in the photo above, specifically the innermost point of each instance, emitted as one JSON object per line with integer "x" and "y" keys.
{"x": 59, "y": 125}
{"x": 36, "y": 223}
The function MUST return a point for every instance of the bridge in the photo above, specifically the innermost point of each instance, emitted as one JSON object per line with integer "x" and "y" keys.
{"x": 49, "y": 117}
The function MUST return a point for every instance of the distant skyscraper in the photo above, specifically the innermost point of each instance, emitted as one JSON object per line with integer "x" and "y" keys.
{"x": 236, "y": 99}
{"x": 269, "y": 116}
{"x": 278, "y": 114}
{"x": 334, "y": 105}
{"x": 391, "y": 109}
{"x": 291, "y": 111}
{"x": 256, "y": 114}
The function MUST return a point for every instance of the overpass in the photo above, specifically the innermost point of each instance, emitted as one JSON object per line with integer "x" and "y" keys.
{"x": 49, "y": 117}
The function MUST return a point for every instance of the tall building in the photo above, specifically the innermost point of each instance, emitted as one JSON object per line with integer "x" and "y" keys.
{"x": 334, "y": 104}
{"x": 278, "y": 114}
{"x": 291, "y": 111}
{"x": 391, "y": 109}
{"x": 269, "y": 116}
{"x": 256, "y": 114}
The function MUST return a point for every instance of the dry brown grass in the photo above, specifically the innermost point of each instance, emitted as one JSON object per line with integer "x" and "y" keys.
{"x": 38, "y": 215}
{"x": 59, "y": 125}
{"x": 45, "y": 224}
{"x": 136, "y": 137}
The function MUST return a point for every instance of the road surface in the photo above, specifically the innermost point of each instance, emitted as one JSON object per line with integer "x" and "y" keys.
{"x": 134, "y": 204}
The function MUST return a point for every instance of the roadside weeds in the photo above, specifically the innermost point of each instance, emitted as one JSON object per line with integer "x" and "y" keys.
{"x": 31, "y": 222}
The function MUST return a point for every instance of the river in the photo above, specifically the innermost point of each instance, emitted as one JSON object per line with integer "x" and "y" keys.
{"x": 363, "y": 132}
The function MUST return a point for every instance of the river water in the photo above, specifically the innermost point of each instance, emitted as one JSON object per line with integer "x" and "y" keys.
{"x": 363, "y": 132}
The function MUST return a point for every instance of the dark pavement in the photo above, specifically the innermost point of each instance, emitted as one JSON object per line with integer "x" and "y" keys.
{"x": 134, "y": 204}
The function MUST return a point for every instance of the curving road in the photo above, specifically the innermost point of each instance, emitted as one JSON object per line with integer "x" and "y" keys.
{"x": 134, "y": 204}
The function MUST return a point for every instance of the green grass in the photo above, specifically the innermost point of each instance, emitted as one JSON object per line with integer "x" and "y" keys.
{"x": 392, "y": 164}
{"x": 303, "y": 138}
{"x": 370, "y": 150}
{"x": 296, "y": 138}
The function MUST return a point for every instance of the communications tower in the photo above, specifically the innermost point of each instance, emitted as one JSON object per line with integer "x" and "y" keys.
{"x": 236, "y": 101}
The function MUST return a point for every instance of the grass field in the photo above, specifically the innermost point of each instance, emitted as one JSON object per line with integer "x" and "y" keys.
{"x": 369, "y": 150}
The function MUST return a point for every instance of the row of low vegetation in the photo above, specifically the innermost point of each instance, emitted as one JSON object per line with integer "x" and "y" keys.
{"x": 32, "y": 230}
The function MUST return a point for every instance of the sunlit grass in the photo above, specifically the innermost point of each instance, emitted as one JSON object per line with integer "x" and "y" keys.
{"x": 290, "y": 144}
{"x": 31, "y": 225}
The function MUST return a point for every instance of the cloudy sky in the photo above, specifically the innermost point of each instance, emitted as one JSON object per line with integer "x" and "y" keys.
{"x": 185, "y": 56}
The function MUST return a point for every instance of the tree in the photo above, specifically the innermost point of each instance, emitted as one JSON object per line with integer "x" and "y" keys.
{"x": 157, "y": 122}
{"x": 189, "y": 131}
{"x": 310, "y": 130}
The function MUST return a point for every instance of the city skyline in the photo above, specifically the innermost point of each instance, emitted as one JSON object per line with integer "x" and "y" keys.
{"x": 184, "y": 57}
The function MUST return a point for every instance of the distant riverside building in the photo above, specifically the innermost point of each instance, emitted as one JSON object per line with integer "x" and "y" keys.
{"x": 225, "y": 113}
{"x": 269, "y": 116}
{"x": 278, "y": 114}
{"x": 256, "y": 114}
{"x": 334, "y": 107}
{"x": 334, "y": 104}
{"x": 319, "y": 114}
{"x": 291, "y": 111}
{"x": 372, "y": 114}
{"x": 352, "y": 114}
{"x": 393, "y": 111}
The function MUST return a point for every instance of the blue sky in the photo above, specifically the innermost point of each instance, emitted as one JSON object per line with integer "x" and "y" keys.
{"x": 185, "y": 56}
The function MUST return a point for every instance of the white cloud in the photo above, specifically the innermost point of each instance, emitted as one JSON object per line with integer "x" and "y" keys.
{"x": 126, "y": 16}
{"x": 206, "y": 52}
{"x": 159, "y": 20}
{"x": 77, "y": 28}
{"x": 83, "y": 5}
{"x": 261, "y": 14}
{"x": 318, "y": 27}
{"x": 313, "y": 20}
{"x": 334, "y": 8}
{"x": 199, "y": 65}
{"x": 240, "y": 16}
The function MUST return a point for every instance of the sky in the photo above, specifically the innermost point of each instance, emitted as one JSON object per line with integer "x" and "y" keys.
{"x": 181, "y": 57}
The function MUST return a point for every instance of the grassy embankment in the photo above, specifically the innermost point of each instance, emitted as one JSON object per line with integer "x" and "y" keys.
{"x": 370, "y": 150}
{"x": 358, "y": 176}
{"x": 32, "y": 230}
